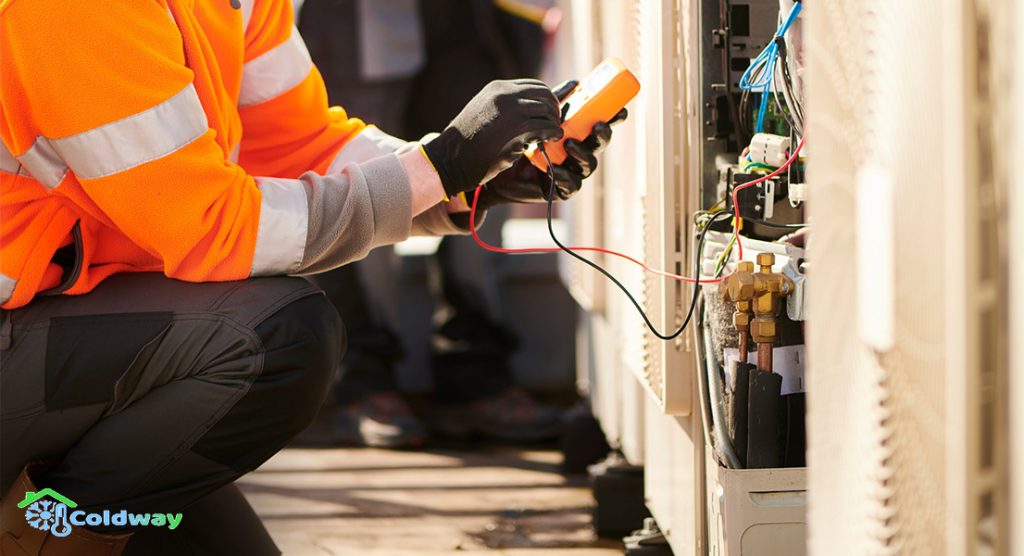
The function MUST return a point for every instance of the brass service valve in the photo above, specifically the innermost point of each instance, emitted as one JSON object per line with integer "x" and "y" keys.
{"x": 739, "y": 289}
{"x": 768, "y": 290}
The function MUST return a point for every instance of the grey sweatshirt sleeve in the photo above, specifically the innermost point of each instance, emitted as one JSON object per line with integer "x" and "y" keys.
{"x": 317, "y": 223}
{"x": 371, "y": 143}
{"x": 362, "y": 207}
{"x": 437, "y": 221}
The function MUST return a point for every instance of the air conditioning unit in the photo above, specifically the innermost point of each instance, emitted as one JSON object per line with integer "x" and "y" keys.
{"x": 912, "y": 301}
{"x": 907, "y": 438}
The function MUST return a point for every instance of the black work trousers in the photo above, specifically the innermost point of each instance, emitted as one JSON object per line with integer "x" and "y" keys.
{"x": 151, "y": 395}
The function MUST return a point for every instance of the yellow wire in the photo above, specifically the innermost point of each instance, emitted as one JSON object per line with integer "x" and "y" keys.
{"x": 521, "y": 9}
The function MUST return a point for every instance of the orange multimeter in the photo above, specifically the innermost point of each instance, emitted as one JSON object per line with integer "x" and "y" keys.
{"x": 598, "y": 98}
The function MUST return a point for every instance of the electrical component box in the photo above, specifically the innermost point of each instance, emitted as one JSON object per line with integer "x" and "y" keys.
{"x": 766, "y": 203}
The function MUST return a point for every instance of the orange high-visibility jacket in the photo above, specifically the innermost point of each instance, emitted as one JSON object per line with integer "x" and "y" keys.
{"x": 131, "y": 132}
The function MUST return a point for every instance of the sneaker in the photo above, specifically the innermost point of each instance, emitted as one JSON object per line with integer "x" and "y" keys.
{"x": 512, "y": 416}
{"x": 381, "y": 420}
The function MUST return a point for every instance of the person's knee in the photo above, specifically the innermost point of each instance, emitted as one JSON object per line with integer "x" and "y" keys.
{"x": 302, "y": 345}
{"x": 304, "y": 342}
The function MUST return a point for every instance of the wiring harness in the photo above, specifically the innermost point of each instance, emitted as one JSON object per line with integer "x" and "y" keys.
{"x": 574, "y": 250}
{"x": 761, "y": 75}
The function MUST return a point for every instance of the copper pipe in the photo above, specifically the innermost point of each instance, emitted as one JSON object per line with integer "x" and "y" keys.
{"x": 764, "y": 357}
{"x": 744, "y": 346}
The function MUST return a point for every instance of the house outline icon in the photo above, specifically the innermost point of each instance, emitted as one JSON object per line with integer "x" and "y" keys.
{"x": 32, "y": 497}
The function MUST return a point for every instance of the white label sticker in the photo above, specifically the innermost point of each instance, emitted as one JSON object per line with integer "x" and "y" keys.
{"x": 788, "y": 361}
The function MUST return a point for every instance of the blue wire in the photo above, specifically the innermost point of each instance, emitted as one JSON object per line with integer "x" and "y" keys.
{"x": 765, "y": 94}
{"x": 767, "y": 58}
{"x": 765, "y": 54}
{"x": 793, "y": 13}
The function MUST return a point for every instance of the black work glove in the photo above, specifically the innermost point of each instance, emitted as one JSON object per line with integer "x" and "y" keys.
{"x": 492, "y": 131}
{"x": 525, "y": 183}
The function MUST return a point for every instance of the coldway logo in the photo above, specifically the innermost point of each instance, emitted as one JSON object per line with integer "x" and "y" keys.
{"x": 48, "y": 510}
{"x": 48, "y": 515}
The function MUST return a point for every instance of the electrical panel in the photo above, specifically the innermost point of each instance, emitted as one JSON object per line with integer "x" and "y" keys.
{"x": 752, "y": 369}
{"x": 681, "y": 156}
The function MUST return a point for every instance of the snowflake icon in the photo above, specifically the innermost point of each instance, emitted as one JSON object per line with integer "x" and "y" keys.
{"x": 42, "y": 514}
{"x": 48, "y": 515}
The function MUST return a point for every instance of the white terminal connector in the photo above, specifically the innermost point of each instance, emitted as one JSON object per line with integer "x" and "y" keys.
{"x": 769, "y": 149}
{"x": 797, "y": 194}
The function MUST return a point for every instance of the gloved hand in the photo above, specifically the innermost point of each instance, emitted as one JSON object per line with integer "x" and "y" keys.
{"x": 525, "y": 183}
{"x": 492, "y": 131}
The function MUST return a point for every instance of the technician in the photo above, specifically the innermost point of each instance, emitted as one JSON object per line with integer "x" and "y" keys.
{"x": 165, "y": 165}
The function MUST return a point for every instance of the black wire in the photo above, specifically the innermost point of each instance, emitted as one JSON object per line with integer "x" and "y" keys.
{"x": 774, "y": 225}
{"x": 787, "y": 83}
{"x": 779, "y": 105}
{"x": 746, "y": 119}
{"x": 597, "y": 267}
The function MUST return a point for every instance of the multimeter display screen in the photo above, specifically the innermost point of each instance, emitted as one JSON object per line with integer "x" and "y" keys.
{"x": 597, "y": 80}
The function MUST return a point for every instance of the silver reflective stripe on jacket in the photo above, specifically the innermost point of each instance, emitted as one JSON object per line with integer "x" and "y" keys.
{"x": 11, "y": 165}
{"x": 284, "y": 223}
{"x": 275, "y": 72}
{"x": 369, "y": 144}
{"x": 43, "y": 162}
{"x": 7, "y": 285}
{"x": 126, "y": 143}
{"x": 120, "y": 145}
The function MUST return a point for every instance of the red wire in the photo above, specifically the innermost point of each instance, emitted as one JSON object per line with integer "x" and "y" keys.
{"x": 735, "y": 230}
{"x": 495, "y": 249}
